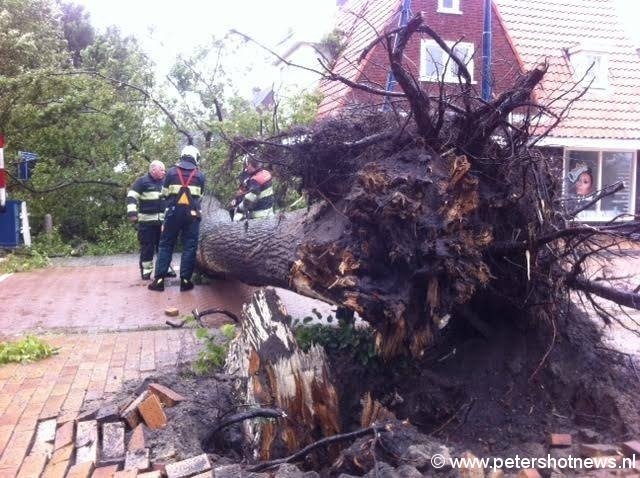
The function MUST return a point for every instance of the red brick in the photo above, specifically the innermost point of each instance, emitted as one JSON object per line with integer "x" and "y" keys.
{"x": 150, "y": 474}
{"x": 136, "y": 440}
{"x": 126, "y": 474}
{"x": 81, "y": 470}
{"x": 560, "y": 439}
{"x": 33, "y": 465}
{"x": 105, "y": 471}
{"x": 152, "y": 412}
{"x": 167, "y": 396}
{"x": 87, "y": 441}
{"x": 62, "y": 454}
{"x": 64, "y": 435}
{"x": 130, "y": 413}
{"x": 56, "y": 470}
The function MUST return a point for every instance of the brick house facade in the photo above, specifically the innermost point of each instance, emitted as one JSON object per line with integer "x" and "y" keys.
{"x": 601, "y": 130}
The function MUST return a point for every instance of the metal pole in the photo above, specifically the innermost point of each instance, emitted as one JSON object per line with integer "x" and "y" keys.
{"x": 3, "y": 177}
{"x": 486, "y": 52}
{"x": 405, "y": 13}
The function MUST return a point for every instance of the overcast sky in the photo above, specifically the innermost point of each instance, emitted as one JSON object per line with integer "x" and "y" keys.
{"x": 166, "y": 28}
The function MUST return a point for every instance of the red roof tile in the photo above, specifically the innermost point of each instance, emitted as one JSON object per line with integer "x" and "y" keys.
{"x": 361, "y": 21}
{"x": 548, "y": 30}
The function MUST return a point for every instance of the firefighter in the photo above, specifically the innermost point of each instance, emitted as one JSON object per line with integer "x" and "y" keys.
{"x": 183, "y": 189}
{"x": 145, "y": 208}
{"x": 254, "y": 199}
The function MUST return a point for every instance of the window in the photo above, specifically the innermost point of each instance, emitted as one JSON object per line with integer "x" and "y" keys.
{"x": 587, "y": 172}
{"x": 449, "y": 6}
{"x": 436, "y": 65}
{"x": 590, "y": 66}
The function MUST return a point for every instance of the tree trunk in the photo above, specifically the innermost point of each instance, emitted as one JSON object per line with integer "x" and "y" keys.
{"x": 272, "y": 372}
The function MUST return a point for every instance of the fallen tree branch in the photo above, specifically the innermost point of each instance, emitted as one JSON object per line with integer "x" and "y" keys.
{"x": 621, "y": 297}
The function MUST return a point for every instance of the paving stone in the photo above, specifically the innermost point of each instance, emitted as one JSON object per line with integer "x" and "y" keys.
{"x": 105, "y": 471}
{"x": 45, "y": 433}
{"x": 112, "y": 442}
{"x": 33, "y": 465}
{"x": 190, "y": 466}
{"x": 56, "y": 470}
{"x": 152, "y": 412}
{"x": 227, "y": 471}
{"x": 150, "y": 474}
{"x": 167, "y": 397}
{"x": 64, "y": 435}
{"x": 86, "y": 442}
{"x": 137, "y": 460}
{"x": 126, "y": 474}
{"x": 81, "y": 470}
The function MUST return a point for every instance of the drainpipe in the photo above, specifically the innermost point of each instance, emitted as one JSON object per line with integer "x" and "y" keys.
{"x": 486, "y": 52}
{"x": 3, "y": 177}
{"x": 405, "y": 14}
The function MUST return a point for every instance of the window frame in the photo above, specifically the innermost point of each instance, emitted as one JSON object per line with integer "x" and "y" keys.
{"x": 598, "y": 214}
{"x": 455, "y": 9}
{"x": 447, "y": 76}
{"x": 578, "y": 57}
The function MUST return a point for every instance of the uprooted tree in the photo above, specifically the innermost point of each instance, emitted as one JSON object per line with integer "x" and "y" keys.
{"x": 440, "y": 215}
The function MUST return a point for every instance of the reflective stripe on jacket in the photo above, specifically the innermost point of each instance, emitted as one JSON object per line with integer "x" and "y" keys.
{"x": 172, "y": 186}
{"x": 259, "y": 197}
{"x": 144, "y": 200}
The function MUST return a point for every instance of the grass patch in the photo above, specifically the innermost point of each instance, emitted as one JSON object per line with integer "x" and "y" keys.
{"x": 29, "y": 349}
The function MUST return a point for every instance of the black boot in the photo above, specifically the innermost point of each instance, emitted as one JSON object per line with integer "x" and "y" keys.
{"x": 157, "y": 285}
{"x": 185, "y": 284}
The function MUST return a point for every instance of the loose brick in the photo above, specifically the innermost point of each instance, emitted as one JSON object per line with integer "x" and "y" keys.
{"x": 105, "y": 471}
{"x": 188, "y": 467}
{"x": 81, "y": 470}
{"x": 65, "y": 435}
{"x": 233, "y": 471}
{"x": 112, "y": 442}
{"x": 33, "y": 465}
{"x": 631, "y": 448}
{"x": 560, "y": 439}
{"x": 152, "y": 412}
{"x": 45, "y": 433}
{"x": 168, "y": 397}
{"x": 593, "y": 450}
{"x": 171, "y": 311}
{"x": 136, "y": 440}
{"x": 130, "y": 413}
{"x": 87, "y": 441}
{"x": 137, "y": 460}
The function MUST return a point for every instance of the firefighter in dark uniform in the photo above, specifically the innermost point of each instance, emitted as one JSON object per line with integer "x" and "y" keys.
{"x": 254, "y": 199}
{"x": 183, "y": 188}
{"x": 145, "y": 208}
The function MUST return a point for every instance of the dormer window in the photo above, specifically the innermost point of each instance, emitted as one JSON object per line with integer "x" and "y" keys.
{"x": 437, "y": 66}
{"x": 449, "y": 6}
{"x": 590, "y": 66}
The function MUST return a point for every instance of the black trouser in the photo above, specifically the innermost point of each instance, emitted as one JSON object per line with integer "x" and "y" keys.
{"x": 149, "y": 238}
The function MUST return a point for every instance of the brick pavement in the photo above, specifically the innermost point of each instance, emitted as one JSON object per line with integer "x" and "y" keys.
{"x": 87, "y": 367}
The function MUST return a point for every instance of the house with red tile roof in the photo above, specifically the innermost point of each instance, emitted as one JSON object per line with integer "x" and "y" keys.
{"x": 591, "y": 61}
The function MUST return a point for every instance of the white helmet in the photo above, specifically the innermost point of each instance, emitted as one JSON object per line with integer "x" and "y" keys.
{"x": 192, "y": 152}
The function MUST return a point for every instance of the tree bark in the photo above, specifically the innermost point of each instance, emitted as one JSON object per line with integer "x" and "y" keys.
{"x": 273, "y": 372}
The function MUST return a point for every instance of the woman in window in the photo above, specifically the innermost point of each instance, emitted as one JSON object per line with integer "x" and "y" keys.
{"x": 582, "y": 179}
